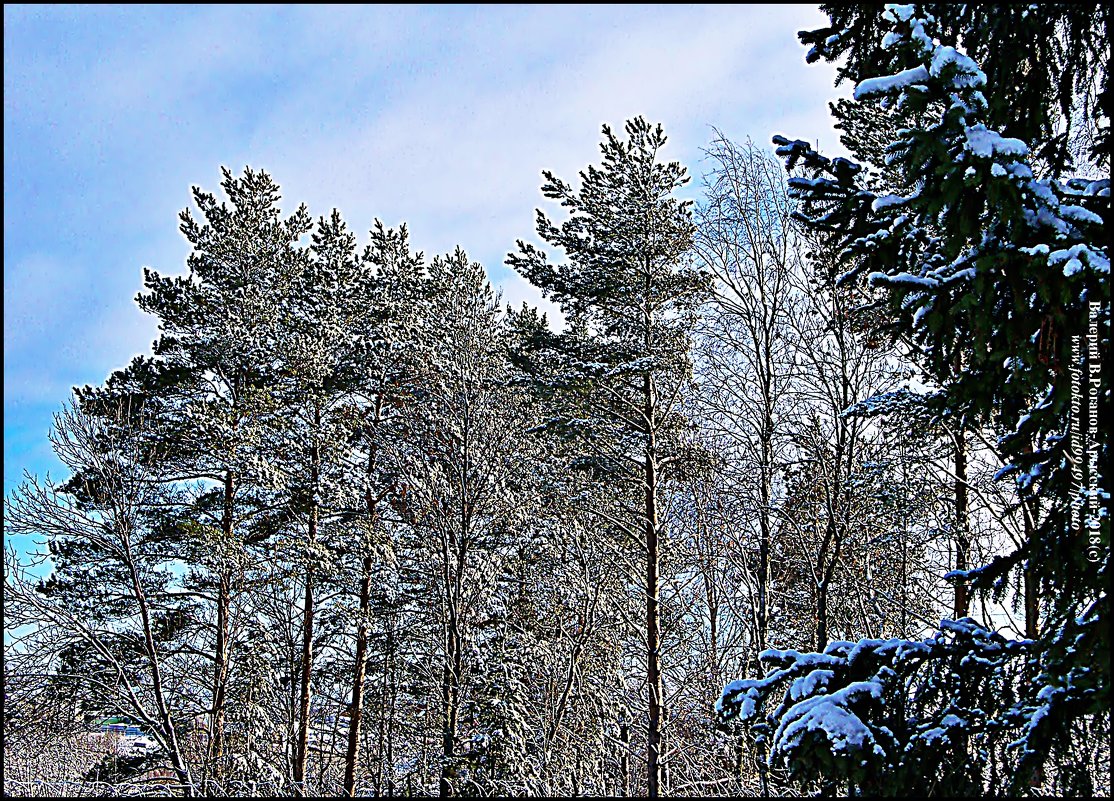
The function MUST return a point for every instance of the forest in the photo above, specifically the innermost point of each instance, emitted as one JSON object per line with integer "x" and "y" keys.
{"x": 802, "y": 491}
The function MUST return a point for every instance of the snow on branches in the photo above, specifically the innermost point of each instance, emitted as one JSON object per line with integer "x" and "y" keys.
{"x": 876, "y": 710}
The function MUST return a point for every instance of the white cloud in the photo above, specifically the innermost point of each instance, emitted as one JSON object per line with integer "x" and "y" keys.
{"x": 440, "y": 117}
{"x": 456, "y": 149}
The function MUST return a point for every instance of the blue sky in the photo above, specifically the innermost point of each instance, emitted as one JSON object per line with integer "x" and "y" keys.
{"x": 439, "y": 116}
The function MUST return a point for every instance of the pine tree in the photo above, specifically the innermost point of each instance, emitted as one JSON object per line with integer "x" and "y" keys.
{"x": 467, "y": 478}
{"x": 318, "y": 354}
{"x": 218, "y": 330}
{"x": 629, "y": 295}
{"x": 394, "y": 306}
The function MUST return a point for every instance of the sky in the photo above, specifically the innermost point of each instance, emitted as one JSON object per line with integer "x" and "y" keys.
{"x": 442, "y": 117}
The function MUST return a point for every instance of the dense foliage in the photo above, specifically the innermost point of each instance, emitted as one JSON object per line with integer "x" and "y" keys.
{"x": 820, "y": 445}
{"x": 995, "y": 277}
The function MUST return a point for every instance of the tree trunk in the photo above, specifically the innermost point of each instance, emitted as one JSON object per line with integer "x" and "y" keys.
{"x": 653, "y": 617}
{"x": 451, "y": 671}
{"x": 304, "y": 693}
{"x": 355, "y": 720}
{"x": 181, "y": 767}
{"x": 624, "y": 755}
{"x": 1032, "y": 590}
{"x": 962, "y": 532}
{"x": 765, "y": 468}
{"x": 822, "y": 616}
{"x": 307, "y": 620}
{"x": 455, "y": 553}
{"x": 1032, "y": 608}
{"x": 763, "y": 566}
{"x": 1032, "y": 605}
{"x": 830, "y": 550}
{"x": 449, "y": 695}
{"x": 356, "y": 711}
{"x": 391, "y": 705}
{"x": 220, "y": 668}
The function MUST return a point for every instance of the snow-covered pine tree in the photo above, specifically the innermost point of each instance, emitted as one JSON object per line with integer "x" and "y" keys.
{"x": 317, "y": 351}
{"x": 629, "y": 293}
{"x": 215, "y": 352}
{"x": 392, "y": 298}
{"x": 991, "y": 266}
{"x": 466, "y": 470}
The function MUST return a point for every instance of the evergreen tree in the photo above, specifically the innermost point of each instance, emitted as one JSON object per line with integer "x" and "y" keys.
{"x": 219, "y": 327}
{"x": 992, "y": 268}
{"x": 1061, "y": 107}
{"x": 468, "y": 488}
{"x": 318, "y": 355}
{"x": 629, "y": 295}
{"x": 393, "y": 304}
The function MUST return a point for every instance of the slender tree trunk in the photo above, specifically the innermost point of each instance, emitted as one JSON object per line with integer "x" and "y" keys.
{"x": 450, "y": 673}
{"x": 904, "y": 580}
{"x": 653, "y": 616}
{"x": 304, "y": 692}
{"x": 1032, "y": 606}
{"x": 355, "y": 719}
{"x": 181, "y": 767}
{"x": 833, "y": 545}
{"x": 307, "y": 620}
{"x": 822, "y": 616}
{"x": 455, "y": 552}
{"x": 827, "y": 570}
{"x": 962, "y": 531}
{"x": 823, "y": 595}
{"x": 381, "y": 733}
{"x": 1032, "y": 590}
{"x": 1030, "y": 514}
{"x": 904, "y": 572}
{"x": 388, "y": 697}
{"x": 220, "y": 679}
{"x": 663, "y": 748}
{"x": 764, "y": 565}
{"x": 449, "y": 695}
{"x": 221, "y": 666}
{"x": 391, "y": 705}
{"x": 624, "y": 756}
{"x": 764, "y": 491}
